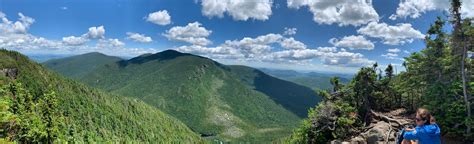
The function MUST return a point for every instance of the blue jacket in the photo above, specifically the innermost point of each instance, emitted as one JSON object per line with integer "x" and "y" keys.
{"x": 426, "y": 134}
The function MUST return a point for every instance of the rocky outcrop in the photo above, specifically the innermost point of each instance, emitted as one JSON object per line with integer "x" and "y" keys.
{"x": 382, "y": 130}
{"x": 9, "y": 72}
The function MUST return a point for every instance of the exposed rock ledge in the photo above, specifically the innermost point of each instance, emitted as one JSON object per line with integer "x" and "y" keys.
{"x": 382, "y": 130}
{"x": 9, "y": 72}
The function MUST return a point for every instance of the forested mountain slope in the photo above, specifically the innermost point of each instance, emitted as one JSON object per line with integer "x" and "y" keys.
{"x": 83, "y": 64}
{"x": 41, "y": 106}
{"x": 230, "y": 103}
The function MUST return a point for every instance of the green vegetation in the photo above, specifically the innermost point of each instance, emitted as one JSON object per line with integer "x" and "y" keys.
{"x": 435, "y": 78}
{"x": 228, "y": 103}
{"x": 38, "y": 106}
{"x": 84, "y": 64}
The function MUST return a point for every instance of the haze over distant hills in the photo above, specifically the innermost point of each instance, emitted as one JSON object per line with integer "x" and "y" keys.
{"x": 230, "y": 103}
{"x": 312, "y": 80}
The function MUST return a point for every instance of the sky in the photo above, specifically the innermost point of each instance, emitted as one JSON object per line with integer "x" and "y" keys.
{"x": 335, "y": 36}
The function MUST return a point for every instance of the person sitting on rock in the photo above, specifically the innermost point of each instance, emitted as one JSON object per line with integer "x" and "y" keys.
{"x": 426, "y": 130}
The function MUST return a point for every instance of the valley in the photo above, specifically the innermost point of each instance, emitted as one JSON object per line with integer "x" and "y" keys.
{"x": 230, "y": 103}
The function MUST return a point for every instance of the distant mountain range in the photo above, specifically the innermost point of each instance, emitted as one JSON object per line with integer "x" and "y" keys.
{"x": 312, "y": 80}
{"x": 228, "y": 103}
{"x": 29, "y": 93}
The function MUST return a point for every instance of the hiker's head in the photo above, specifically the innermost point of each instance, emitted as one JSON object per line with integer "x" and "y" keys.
{"x": 423, "y": 117}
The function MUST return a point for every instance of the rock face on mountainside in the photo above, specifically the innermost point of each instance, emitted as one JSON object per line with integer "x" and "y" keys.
{"x": 9, "y": 72}
{"x": 382, "y": 130}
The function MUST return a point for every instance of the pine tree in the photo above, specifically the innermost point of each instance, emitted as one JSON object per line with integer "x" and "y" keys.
{"x": 335, "y": 83}
{"x": 460, "y": 48}
{"x": 389, "y": 71}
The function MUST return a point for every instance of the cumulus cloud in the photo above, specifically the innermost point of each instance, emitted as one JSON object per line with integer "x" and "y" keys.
{"x": 95, "y": 32}
{"x": 192, "y": 33}
{"x": 391, "y": 56}
{"x": 238, "y": 9}
{"x": 342, "y": 12}
{"x": 353, "y": 42}
{"x": 467, "y": 8}
{"x": 72, "y": 40}
{"x": 415, "y": 8}
{"x": 218, "y": 52}
{"x": 252, "y": 47}
{"x": 391, "y": 34}
{"x": 393, "y": 50}
{"x": 291, "y": 43}
{"x": 138, "y": 37}
{"x": 160, "y": 17}
{"x": 348, "y": 59}
{"x": 20, "y": 26}
{"x": 328, "y": 56}
{"x": 262, "y": 49}
{"x": 19, "y": 40}
{"x": 107, "y": 43}
{"x": 290, "y": 31}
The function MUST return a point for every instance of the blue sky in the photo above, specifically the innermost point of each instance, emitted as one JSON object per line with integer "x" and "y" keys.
{"x": 247, "y": 32}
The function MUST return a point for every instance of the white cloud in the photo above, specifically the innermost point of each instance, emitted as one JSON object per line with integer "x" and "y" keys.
{"x": 252, "y": 47}
{"x": 192, "y": 33}
{"x": 160, "y": 17}
{"x": 262, "y": 44}
{"x": 238, "y": 9}
{"x": 291, "y": 43}
{"x": 329, "y": 56}
{"x": 391, "y": 56}
{"x": 95, "y": 32}
{"x": 342, "y": 12}
{"x": 393, "y": 35}
{"x": 261, "y": 49}
{"x": 393, "y": 50}
{"x": 72, "y": 40}
{"x": 25, "y": 42}
{"x": 407, "y": 52}
{"x": 290, "y": 31}
{"x": 467, "y": 8}
{"x": 20, "y": 26}
{"x": 353, "y": 42}
{"x": 415, "y": 8}
{"x": 213, "y": 52}
{"x": 345, "y": 58}
{"x": 110, "y": 43}
{"x": 138, "y": 37}
{"x": 92, "y": 33}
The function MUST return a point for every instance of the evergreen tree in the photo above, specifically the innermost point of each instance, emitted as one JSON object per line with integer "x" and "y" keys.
{"x": 460, "y": 50}
{"x": 389, "y": 71}
{"x": 335, "y": 83}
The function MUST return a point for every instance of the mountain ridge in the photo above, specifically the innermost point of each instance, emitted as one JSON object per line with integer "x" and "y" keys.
{"x": 210, "y": 91}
